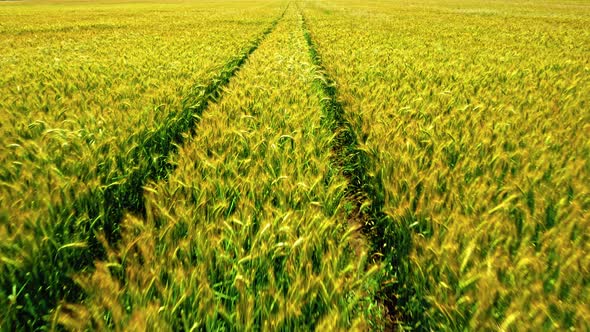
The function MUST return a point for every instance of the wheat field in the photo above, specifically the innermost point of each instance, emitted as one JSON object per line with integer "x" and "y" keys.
{"x": 295, "y": 165}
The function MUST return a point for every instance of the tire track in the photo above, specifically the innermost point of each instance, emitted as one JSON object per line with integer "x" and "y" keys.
{"x": 365, "y": 191}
